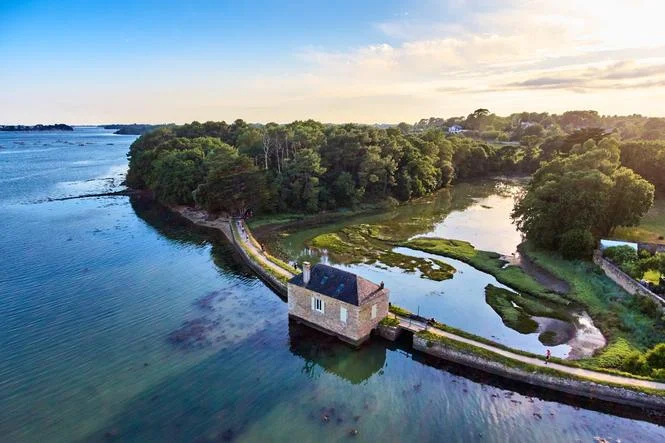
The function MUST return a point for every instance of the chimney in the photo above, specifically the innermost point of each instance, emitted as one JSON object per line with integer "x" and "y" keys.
{"x": 305, "y": 272}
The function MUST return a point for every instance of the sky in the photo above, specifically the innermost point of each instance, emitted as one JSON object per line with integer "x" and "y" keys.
{"x": 374, "y": 61}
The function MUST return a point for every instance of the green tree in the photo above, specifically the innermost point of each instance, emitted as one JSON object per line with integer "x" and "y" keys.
{"x": 176, "y": 174}
{"x": 587, "y": 192}
{"x": 233, "y": 185}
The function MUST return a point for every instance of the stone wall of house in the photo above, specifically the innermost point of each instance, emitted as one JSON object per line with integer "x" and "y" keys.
{"x": 624, "y": 280}
{"x": 358, "y": 325}
{"x": 367, "y": 323}
{"x": 300, "y": 305}
{"x": 581, "y": 388}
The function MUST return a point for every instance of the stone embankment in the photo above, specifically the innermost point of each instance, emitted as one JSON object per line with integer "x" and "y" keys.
{"x": 588, "y": 389}
{"x": 586, "y": 383}
{"x": 624, "y": 280}
{"x": 273, "y": 275}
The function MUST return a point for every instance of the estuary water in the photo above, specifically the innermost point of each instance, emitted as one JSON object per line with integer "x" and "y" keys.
{"x": 119, "y": 322}
{"x": 477, "y": 212}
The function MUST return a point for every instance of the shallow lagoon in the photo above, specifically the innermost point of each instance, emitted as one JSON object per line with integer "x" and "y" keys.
{"x": 478, "y": 212}
{"x": 92, "y": 290}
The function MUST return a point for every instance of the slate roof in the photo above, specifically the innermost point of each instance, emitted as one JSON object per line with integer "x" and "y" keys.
{"x": 336, "y": 283}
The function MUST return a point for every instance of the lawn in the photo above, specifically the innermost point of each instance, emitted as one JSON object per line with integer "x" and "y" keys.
{"x": 651, "y": 228}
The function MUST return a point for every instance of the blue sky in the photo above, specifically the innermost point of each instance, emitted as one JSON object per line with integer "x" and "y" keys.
{"x": 366, "y": 61}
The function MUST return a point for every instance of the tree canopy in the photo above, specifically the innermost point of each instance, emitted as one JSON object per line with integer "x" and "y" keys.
{"x": 302, "y": 166}
{"x": 574, "y": 200}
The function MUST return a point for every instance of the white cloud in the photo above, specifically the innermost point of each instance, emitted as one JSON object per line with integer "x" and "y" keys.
{"x": 609, "y": 47}
{"x": 440, "y": 59}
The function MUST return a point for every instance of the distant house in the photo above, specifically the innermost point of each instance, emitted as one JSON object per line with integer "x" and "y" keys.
{"x": 527, "y": 124}
{"x": 337, "y": 302}
{"x": 455, "y": 129}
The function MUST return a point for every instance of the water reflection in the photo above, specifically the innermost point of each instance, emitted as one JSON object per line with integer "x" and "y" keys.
{"x": 322, "y": 352}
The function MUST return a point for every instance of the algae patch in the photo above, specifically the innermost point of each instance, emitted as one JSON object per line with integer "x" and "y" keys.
{"x": 368, "y": 244}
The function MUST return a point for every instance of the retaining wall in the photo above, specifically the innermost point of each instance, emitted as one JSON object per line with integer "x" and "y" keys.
{"x": 200, "y": 218}
{"x": 276, "y": 284}
{"x": 624, "y": 280}
{"x": 580, "y": 388}
{"x": 389, "y": 332}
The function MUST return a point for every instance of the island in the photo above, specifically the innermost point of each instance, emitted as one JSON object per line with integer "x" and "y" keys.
{"x": 40, "y": 127}
{"x": 132, "y": 129}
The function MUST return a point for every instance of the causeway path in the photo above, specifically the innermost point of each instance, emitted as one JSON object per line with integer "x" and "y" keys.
{"x": 416, "y": 326}
{"x": 244, "y": 235}
{"x": 256, "y": 251}
{"x": 241, "y": 235}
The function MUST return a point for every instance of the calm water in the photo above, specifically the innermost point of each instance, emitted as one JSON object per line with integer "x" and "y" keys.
{"x": 477, "y": 212}
{"x": 118, "y": 323}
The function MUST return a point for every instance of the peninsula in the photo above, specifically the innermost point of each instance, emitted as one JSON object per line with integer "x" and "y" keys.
{"x": 586, "y": 181}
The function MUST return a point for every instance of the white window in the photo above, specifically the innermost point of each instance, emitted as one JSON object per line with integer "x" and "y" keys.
{"x": 318, "y": 305}
{"x": 373, "y": 311}
{"x": 342, "y": 314}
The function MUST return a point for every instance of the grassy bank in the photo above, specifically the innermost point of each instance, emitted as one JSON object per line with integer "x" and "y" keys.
{"x": 651, "y": 228}
{"x": 617, "y": 314}
{"x": 489, "y": 262}
{"x": 516, "y": 311}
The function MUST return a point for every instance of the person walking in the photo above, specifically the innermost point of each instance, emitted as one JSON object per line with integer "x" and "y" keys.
{"x": 548, "y": 354}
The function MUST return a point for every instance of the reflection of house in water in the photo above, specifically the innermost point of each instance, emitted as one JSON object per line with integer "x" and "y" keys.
{"x": 337, "y": 302}
{"x": 324, "y": 352}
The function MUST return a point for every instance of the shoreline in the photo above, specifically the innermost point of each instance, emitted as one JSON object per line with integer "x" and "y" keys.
{"x": 641, "y": 393}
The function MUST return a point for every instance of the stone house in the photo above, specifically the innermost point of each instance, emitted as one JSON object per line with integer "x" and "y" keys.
{"x": 337, "y": 302}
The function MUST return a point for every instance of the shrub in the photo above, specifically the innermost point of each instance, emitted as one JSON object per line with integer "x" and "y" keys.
{"x": 577, "y": 243}
{"x": 644, "y": 253}
{"x": 648, "y": 306}
{"x": 636, "y": 363}
{"x": 658, "y": 373}
{"x": 620, "y": 255}
{"x": 390, "y": 321}
{"x": 656, "y": 356}
{"x": 616, "y": 354}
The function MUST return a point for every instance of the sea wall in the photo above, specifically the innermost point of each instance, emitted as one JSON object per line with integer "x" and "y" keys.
{"x": 624, "y": 280}
{"x": 201, "y": 218}
{"x": 276, "y": 284}
{"x": 586, "y": 389}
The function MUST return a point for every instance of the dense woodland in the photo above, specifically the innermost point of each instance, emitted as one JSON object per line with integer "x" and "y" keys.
{"x": 587, "y": 168}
